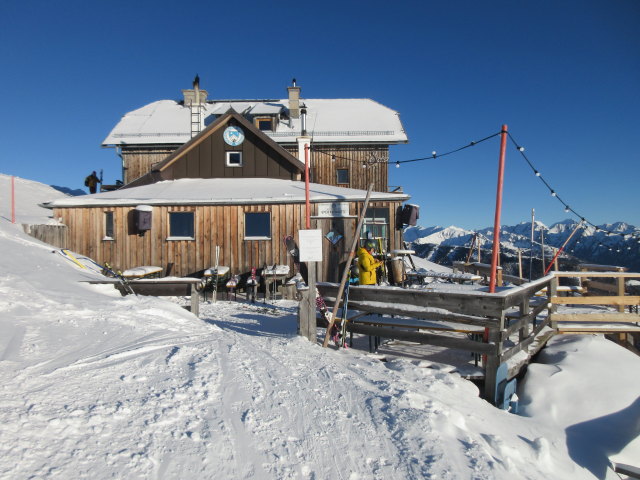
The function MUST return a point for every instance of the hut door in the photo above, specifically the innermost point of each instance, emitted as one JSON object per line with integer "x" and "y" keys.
{"x": 337, "y": 236}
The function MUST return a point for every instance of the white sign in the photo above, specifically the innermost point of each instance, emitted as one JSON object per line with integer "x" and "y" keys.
{"x": 310, "y": 245}
{"x": 334, "y": 209}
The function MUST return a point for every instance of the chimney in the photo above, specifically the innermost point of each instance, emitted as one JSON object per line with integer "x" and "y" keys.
{"x": 195, "y": 96}
{"x": 303, "y": 121}
{"x": 195, "y": 99}
{"x": 294, "y": 100}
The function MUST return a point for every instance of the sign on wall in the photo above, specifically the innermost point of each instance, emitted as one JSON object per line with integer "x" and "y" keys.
{"x": 234, "y": 136}
{"x": 310, "y": 245}
{"x": 333, "y": 209}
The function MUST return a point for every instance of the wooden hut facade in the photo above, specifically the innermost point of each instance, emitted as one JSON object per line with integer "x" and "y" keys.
{"x": 247, "y": 218}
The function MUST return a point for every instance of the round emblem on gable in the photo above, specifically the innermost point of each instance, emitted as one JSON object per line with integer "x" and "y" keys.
{"x": 233, "y": 136}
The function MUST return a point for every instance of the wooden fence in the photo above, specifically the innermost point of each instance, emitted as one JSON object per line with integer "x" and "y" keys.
{"x": 509, "y": 317}
{"x": 56, "y": 235}
{"x": 623, "y": 326}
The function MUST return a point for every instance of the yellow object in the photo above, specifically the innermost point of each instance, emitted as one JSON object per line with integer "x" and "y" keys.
{"x": 367, "y": 266}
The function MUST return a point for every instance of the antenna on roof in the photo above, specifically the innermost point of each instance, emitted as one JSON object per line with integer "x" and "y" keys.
{"x": 196, "y": 82}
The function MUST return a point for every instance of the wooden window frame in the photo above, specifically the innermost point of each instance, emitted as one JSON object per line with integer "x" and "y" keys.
{"x": 338, "y": 182}
{"x": 173, "y": 236}
{"x": 258, "y": 120}
{"x": 255, "y": 236}
{"x": 108, "y": 225}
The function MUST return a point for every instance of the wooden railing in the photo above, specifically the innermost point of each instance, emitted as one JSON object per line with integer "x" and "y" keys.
{"x": 509, "y": 320}
{"x": 625, "y": 325}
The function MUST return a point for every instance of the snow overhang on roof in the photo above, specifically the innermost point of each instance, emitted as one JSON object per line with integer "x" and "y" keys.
{"x": 355, "y": 120}
{"x": 222, "y": 191}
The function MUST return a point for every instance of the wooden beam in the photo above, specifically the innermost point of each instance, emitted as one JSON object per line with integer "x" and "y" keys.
{"x": 629, "y": 300}
{"x": 596, "y": 274}
{"x": 424, "y": 338}
{"x": 595, "y": 317}
{"x": 407, "y": 311}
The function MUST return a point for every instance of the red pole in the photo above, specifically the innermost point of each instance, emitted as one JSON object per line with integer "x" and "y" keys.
{"x": 13, "y": 199}
{"x": 306, "y": 186}
{"x": 495, "y": 251}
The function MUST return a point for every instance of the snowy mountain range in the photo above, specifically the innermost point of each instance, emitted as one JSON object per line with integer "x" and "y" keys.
{"x": 607, "y": 244}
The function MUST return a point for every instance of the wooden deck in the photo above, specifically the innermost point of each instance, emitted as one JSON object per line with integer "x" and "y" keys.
{"x": 514, "y": 323}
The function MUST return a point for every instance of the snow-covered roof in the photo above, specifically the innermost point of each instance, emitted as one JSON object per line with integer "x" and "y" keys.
{"x": 222, "y": 191}
{"x": 353, "y": 120}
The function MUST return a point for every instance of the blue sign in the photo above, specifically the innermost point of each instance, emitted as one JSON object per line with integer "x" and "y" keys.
{"x": 233, "y": 136}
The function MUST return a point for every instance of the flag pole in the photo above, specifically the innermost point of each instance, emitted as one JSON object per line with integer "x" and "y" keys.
{"x": 495, "y": 252}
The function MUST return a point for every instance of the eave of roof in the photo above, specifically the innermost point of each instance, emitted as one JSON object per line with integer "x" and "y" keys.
{"x": 222, "y": 191}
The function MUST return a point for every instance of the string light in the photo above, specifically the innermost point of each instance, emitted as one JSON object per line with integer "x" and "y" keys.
{"x": 554, "y": 194}
{"x": 397, "y": 164}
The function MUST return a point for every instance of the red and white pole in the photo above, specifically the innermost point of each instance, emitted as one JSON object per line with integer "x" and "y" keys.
{"x": 495, "y": 251}
{"x": 13, "y": 199}
{"x": 306, "y": 187}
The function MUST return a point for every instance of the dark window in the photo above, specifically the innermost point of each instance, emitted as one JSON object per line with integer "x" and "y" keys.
{"x": 265, "y": 124}
{"x": 343, "y": 175}
{"x": 181, "y": 224}
{"x": 108, "y": 224}
{"x": 234, "y": 159}
{"x": 257, "y": 225}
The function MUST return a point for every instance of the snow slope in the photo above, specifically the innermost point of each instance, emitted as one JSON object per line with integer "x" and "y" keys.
{"x": 103, "y": 386}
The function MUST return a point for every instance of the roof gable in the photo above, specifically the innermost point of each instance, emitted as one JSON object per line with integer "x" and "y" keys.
{"x": 204, "y": 156}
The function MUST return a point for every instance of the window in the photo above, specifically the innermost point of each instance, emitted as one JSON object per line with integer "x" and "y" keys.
{"x": 376, "y": 220}
{"x": 181, "y": 225}
{"x": 234, "y": 159}
{"x": 343, "y": 175}
{"x": 108, "y": 226}
{"x": 257, "y": 225}
{"x": 264, "y": 124}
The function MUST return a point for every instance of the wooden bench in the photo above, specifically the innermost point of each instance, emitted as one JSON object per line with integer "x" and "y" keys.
{"x": 158, "y": 287}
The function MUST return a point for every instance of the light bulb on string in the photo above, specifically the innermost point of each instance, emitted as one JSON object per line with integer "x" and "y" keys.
{"x": 537, "y": 173}
{"x": 553, "y": 193}
{"x": 434, "y": 154}
{"x": 521, "y": 149}
{"x": 567, "y": 209}
{"x": 397, "y": 164}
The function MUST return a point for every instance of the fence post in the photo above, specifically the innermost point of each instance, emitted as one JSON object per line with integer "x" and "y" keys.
{"x": 621, "y": 291}
{"x": 553, "y": 292}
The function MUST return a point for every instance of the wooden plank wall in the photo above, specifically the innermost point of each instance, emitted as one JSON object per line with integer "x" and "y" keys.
{"x": 138, "y": 161}
{"x": 214, "y": 225}
{"x": 351, "y": 157}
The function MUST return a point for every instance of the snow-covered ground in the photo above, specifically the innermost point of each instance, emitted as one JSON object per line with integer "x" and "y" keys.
{"x": 95, "y": 385}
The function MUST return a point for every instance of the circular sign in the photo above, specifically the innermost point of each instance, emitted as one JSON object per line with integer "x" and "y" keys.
{"x": 233, "y": 136}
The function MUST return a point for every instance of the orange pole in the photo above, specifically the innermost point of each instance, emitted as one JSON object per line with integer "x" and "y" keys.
{"x": 495, "y": 252}
{"x": 306, "y": 186}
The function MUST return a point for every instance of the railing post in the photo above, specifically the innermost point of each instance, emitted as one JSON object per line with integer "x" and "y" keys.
{"x": 621, "y": 290}
{"x": 553, "y": 292}
{"x": 524, "y": 311}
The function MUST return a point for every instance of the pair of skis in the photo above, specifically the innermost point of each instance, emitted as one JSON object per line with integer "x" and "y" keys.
{"x": 338, "y": 331}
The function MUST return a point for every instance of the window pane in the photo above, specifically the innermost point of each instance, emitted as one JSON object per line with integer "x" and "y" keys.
{"x": 181, "y": 224}
{"x": 257, "y": 224}
{"x": 266, "y": 124}
{"x": 108, "y": 224}
{"x": 234, "y": 159}
{"x": 343, "y": 175}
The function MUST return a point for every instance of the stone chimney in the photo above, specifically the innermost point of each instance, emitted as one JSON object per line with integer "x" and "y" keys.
{"x": 294, "y": 100}
{"x": 195, "y": 99}
{"x": 195, "y": 96}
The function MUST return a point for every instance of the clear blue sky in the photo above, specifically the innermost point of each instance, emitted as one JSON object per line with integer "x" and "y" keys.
{"x": 564, "y": 76}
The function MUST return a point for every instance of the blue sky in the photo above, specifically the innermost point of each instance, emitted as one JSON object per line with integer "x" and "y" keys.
{"x": 564, "y": 76}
